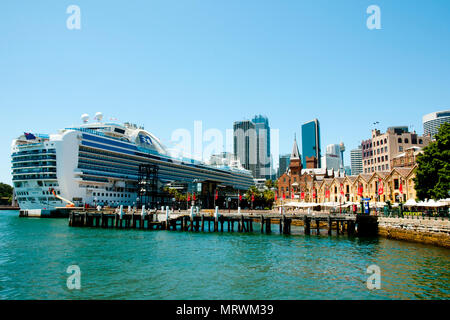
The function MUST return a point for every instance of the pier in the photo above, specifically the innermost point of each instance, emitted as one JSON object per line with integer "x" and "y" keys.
{"x": 242, "y": 222}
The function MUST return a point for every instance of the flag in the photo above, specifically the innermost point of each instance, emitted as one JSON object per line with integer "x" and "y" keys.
{"x": 380, "y": 187}
{"x": 276, "y": 196}
{"x": 284, "y": 196}
{"x": 292, "y": 194}
{"x": 401, "y": 188}
{"x": 327, "y": 194}
{"x": 194, "y": 197}
{"x": 240, "y": 196}
{"x": 29, "y": 136}
{"x": 253, "y": 197}
{"x": 217, "y": 195}
{"x": 188, "y": 197}
{"x": 360, "y": 190}
{"x": 342, "y": 189}
{"x": 302, "y": 195}
{"x": 314, "y": 194}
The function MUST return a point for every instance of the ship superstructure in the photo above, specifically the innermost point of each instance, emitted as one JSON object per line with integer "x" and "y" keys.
{"x": 98, "y": 163}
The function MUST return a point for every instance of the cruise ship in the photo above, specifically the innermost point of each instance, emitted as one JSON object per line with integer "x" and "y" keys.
{"x": 98, "y": 163}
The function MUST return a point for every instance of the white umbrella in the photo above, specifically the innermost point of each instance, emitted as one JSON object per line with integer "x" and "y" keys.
{"x": 410, "y": 203}
{"x": 445, "y": 201}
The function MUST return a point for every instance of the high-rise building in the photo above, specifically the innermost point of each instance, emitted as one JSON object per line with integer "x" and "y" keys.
{"x": 432, "y": 121}
{"x": 244, "y": 138}
{"x": 252, "y": 146}
{"x": 332, "y": 158}
{"x": 356, "y": 161}
{"x": 283, "y": 164}
{"x": 263, "y": 164}
{"x": 311, "y": 144}
{"x": 383, "y": 147}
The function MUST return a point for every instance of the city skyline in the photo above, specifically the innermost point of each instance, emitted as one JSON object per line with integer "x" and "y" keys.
{"x": 165, "y": 67}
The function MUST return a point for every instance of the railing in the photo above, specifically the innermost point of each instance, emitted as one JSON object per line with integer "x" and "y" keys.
{"x": 425, "y": 214}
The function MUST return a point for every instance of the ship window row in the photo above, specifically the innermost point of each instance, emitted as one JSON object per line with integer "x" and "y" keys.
{"x": 99, "y": 173}
{"x": 40, "y": 199}
{"x": 28, "y": 158}
{"x": 35, "y": 170}
{"x": 49, "y": 193}
{"x": 108, "y": 154}
{"x": 121, "y": 189}
{"x": 90, "y": 156}
{"x": 34, "y": 177}
{"x": 113, "y": 195}
{"x": 94, "y": 179}
{"x": 35, "y": 164}
{"x": 22, "y": 193}
{"x": 33, "y": 152}
{"x": 107, "y": 165}
{"x": 107, "y": 169}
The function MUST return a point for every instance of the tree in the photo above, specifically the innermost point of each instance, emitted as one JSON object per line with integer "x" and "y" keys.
{"x": 6, "y": 191}
{"x": 432, "y": 179}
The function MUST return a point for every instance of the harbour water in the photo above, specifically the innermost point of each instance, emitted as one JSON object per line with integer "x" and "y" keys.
{"x": 137, "y": 264}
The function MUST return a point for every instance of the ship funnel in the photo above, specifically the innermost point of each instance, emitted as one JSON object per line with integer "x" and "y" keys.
{"x": 99, "y": 116}
{"x": 85, "y": 118}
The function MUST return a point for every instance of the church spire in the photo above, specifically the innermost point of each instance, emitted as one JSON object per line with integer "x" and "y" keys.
{"x": 295, "y": 153}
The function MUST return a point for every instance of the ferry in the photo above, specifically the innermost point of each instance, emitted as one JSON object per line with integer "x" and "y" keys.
{"x": 98, "y": 163}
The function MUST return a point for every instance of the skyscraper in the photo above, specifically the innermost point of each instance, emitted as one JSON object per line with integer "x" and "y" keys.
{"x": 263, "y": 164}
{"x": 332, "y": 158}
{"x": 252, "y": 146}
{"x": 432, "y": 121}
{"x": 244, "y": 136}
{"x": 283, "y": 164}
{"x": 311, "y": 144}
{"x": 356, "y": 161}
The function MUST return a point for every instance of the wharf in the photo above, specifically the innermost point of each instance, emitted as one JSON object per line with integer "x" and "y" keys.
{"x": 359, "y": 225}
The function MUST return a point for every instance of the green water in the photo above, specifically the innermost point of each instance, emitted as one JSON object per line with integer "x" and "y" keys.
{"x": 135, "y": 264}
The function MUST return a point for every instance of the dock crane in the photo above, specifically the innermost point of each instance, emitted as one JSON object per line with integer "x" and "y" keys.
{"x": 69, "y": 204}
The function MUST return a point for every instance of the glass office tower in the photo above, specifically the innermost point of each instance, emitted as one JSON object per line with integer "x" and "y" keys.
{"x": 311, "y": 141}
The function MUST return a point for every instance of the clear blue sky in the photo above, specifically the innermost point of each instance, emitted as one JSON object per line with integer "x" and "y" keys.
{"x": 166, "y": 63}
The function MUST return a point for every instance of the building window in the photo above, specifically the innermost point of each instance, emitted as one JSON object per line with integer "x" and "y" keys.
{"x": 382, "y": 167}
{"x": 387, "y": 167}
{"x": 420, "y": 141}
{"x": 406, "y": 140}
{"x": 385, "y": 149}
{"x": 400, "y": 149}
{"x": 386, "y": 158}
{"x": 385, "y": 140}
{"x": 399, "y": 140}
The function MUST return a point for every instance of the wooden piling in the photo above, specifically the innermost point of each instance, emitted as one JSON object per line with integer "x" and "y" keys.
{"x": 262, "y": 224}
{"x": 268, "y": 226}
{"x": 329, "y": 225}
{"x": 306, "y": 225}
